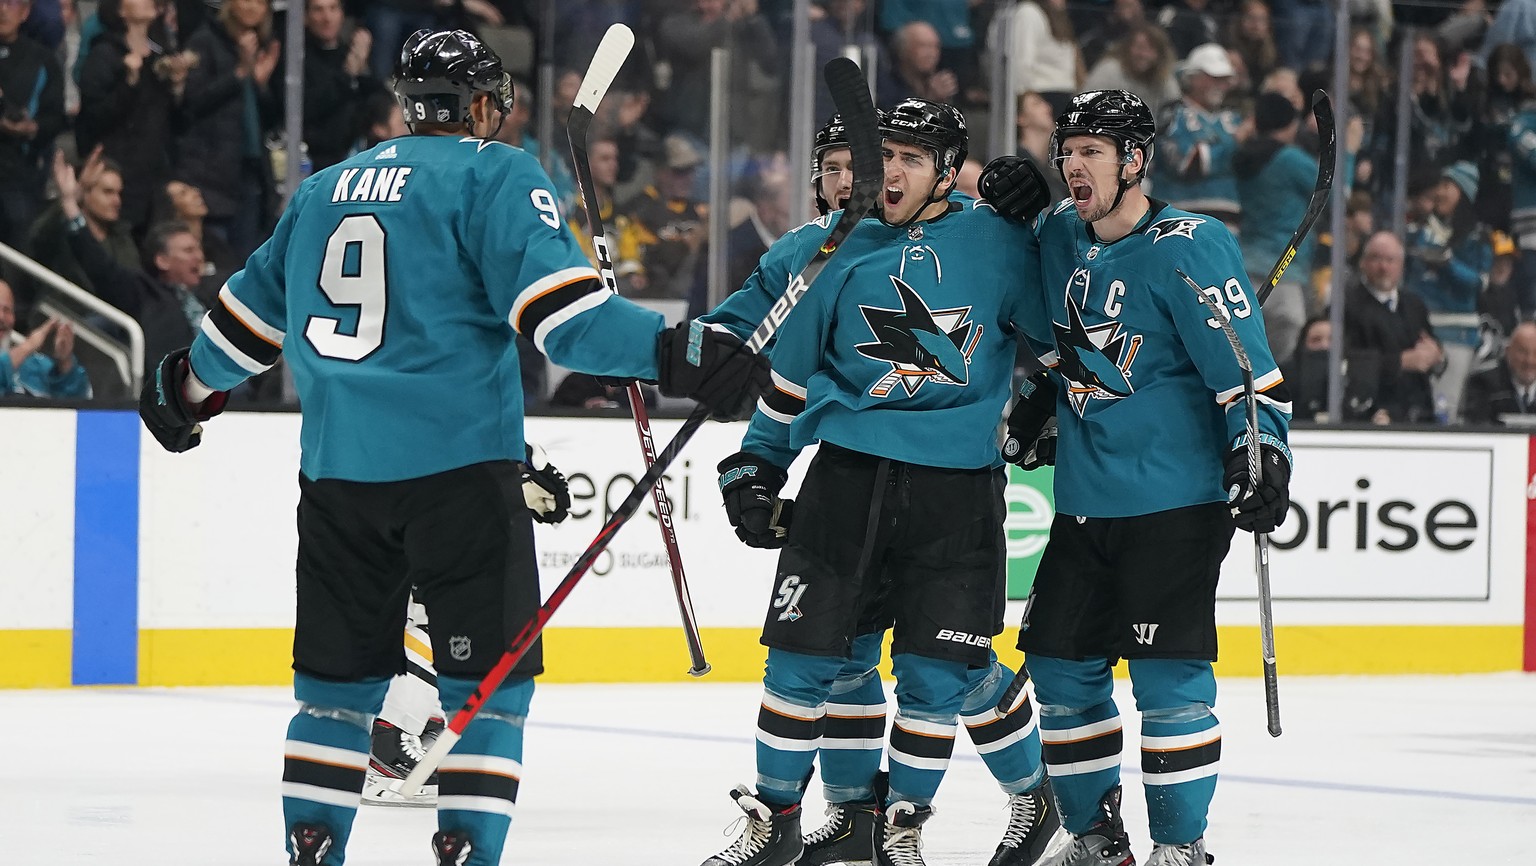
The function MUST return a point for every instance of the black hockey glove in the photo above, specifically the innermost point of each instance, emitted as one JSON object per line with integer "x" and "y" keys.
{"x": 545, "y": 488}
{"x": 1031, "y": 441}
{"x": 750, "y": 487}
{"x": 1014, "y": 186}
{"x": 710, "y": 365}
{"x": 167, "y": 414}
{"x": 1263, "y": 509}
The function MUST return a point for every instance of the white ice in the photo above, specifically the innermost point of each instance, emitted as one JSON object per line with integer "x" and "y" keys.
{"x": 1400, "y": 770}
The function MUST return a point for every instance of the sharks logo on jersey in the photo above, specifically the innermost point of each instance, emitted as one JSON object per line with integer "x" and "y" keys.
{"x": 920, "y": 344}
{"x": 1095, "y": 360}
{"x": 1174, "y": 227}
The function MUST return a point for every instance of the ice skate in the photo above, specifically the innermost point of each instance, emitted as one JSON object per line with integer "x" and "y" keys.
{"x": 310, "y": 844}
{"x": 392, "y": 756}
{"x": 1105, "y": 844}
{"x": 847, "y": 837}
{"x": 1191, "y": 854}
{"x": 769, "y": 838}
{"x": 899, "y": 831}
{"x": 1034, "y": 828}
{"x": 451, "y": 849}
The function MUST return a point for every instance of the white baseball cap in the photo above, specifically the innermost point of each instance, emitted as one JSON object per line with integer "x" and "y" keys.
{"x": 1211, "y": 59}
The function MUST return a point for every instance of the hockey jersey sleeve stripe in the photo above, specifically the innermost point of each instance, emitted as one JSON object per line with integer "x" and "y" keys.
{"x": 254, "y": 323}
{"x": 787, "y": 386}
{"x": 773, "y": 414}
{"x": 1260, "y": 385}
{"x": 234, "y": 352}
{"x": 251, "y": 343}
{"x": 568, "y": 312}
{"x": 547, "y": 295}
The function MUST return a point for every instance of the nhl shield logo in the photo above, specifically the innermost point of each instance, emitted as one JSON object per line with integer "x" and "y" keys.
{"x": 458, "y": 647}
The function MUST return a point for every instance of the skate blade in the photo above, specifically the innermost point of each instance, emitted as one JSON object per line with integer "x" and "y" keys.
{"x": 380, "y": 793}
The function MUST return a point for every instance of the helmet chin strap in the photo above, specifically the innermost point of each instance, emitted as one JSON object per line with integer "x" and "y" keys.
{"x": 930, "y": 199}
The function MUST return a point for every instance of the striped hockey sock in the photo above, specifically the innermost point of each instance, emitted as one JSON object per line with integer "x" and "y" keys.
{"x": 853, "y": 734}
{"x": 478, "y": 780}
{"x": 326, "y": 756}
{"x": 1009, "y": 745}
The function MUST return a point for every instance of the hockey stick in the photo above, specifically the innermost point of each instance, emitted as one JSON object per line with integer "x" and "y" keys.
{"x": 1327, "y": 149}
{"x": 611, "y": 53}
{"x": 851, "y": 96}
{"x": 1260, "y": 539}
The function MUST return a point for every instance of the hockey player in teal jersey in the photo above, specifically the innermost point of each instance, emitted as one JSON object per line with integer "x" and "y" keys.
{"x": 854, "y": 720}
{"x": 393, "y": 285}
{"x": 1151, "y": 478}
{"x": 907, "y": 342}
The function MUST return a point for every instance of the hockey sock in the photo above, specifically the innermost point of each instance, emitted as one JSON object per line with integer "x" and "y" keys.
{"x": 789, "y": 724}
{"x": 478, "y": 780}
{"x": 326, "y": 756}
{"x": 412, "y": 698}
{"x": 1080, "y": 734}
{"x": 1180, "y": 745}
{"x": 853, "y": 736}
{"x": 1009, "y": 745}
{"x": 929, "y": 694}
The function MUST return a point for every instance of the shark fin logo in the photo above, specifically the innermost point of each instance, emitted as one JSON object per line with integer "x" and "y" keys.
{"x": 1095, "y": 361}
{"x": 920, "y": 344}
{"x": 1174, "y": 227}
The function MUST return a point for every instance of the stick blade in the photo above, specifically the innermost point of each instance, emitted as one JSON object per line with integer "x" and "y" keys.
{"x": 606, "y": 62}
{"x": 850, "y": 93}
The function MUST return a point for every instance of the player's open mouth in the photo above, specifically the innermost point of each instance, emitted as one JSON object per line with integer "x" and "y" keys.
{"x": 892, "y": 196}
{"x": 1082, "y": 193}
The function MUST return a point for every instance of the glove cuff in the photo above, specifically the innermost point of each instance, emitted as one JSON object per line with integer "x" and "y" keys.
{"x": 746, "y": 465}
{"x": 1271, "y": 441}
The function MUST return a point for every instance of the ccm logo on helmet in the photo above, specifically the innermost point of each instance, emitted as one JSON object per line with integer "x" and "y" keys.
{"x": 964, "y": 637}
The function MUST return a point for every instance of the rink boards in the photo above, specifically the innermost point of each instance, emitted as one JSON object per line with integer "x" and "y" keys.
{"x": 120, "y": 564}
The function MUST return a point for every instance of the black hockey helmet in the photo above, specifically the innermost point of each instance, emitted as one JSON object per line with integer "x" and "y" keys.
{"x": 934, "y": 125}
{"x": 439, "y": 73}
{"x": 1116, "y": 114}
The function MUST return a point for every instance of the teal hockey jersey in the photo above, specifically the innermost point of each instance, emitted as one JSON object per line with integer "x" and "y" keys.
{"x": 904, "y": 346}
{"x": 1151, "y": 396}
{"x": 392, "y": 286}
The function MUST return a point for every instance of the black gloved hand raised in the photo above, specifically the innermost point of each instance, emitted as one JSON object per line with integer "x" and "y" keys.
{"x": 1014, "y": 186}
{"x": 545, "y": 489}
{"x": 1031, "y": 441}
{"x": 710, "y": 365}
{"x": 165, "y": 410}
{"x": 750, "y": 487}
{"x": 1263, "y": 509}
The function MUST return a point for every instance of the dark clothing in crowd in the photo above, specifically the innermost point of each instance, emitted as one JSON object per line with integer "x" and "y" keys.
{"x": 1491, "y": 394}
{"x": 162, "y": 310}
{"x": 134, "y": 124}
{"x": 333, "y": 100}
{"x": 31, "y": 86}
{"x": 1407, "y": 395}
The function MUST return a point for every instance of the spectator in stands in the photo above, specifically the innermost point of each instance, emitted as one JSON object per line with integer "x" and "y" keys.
{"x": 1252, "y": 37}
{"x": 767, "y": 220}
{"x": 1498, "y": 306}
{"x": 1509, "y": 90}
{"x": 336, "y": 81}
{"x": 1359, "y": 224}
{"x": 38, "y": 366}
{"x": 836, "y": 24}
{"x": 1275, "y": 179}
{"x": 31, "y": 114}
{"x": 161, "y": 300}
{"x": 184, "y": 204}
{"x": 685, "y": 39}
{"x": 1042, "y": 49}
{"x": 621, "y": 235}
{"x": 1381, "y": 318}
{"x": 672, "y": 225}
{"x": 914, "y": 69}
{"x": 1141, "y": 62}
{"x": 1307, "y": 375}
{"x": 1189, "y": 24}
{"x": 951, "y": 23}
{"x": 131, "y": 89}
{"x": 1448, "y": 257}
{"x": 1197, "y": 139}
{"x": 1306, "y": 32}
{"x": 1508, "y": 388}
{"x": 1522, "y": 147}
{"x": 1514, "y": 24}
{"x": 1107, "y": 30}
{"x": 390, "y": 21}
{"x": 1440, "y": 117}
{"x": 100, "y": 203}
{"x": 1037, "y": 123}
{"x": 380, "y": 119}
{"x": 230, "y": 109}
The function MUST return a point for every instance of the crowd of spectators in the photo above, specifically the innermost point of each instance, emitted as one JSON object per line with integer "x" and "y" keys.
{"x": 141, "y": 154}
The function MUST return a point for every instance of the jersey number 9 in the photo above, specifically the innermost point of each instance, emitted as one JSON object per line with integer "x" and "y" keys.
{"x": 352, "y": 275}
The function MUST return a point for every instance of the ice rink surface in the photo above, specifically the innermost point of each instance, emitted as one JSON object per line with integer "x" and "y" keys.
{"x": 1400, "y": 770}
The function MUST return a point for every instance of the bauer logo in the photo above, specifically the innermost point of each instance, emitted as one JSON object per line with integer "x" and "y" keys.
{"x": 1031, "y": 508}
{"x": 951, "y": 636}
